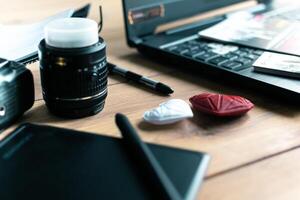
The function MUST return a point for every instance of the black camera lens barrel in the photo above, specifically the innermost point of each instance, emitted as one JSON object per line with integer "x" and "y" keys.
{"x": 74, "y": 80}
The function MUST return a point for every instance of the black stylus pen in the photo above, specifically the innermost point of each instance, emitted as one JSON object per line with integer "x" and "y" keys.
{"x": 155, "y": 85}
{"x": 146, "y": 160}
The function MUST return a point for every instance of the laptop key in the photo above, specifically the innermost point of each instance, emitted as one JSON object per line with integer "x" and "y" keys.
{"x": 244, "y": 61}
{"x": 201, "y": 44}
{"x": 232, "y": 65}
{"x": 246, "y": 49}
{"x": 172, "y": 48}
{"x": 218, "y": 60}
{"x": 258, "y": 52}
{"x": 180, "y": 50}
{"x": 194, "y": 48}
{"x": 231, "y": 56}
{"x": 184, "y": 45}
{"x": 192, "y": 42}
{"x": 193, "y": 53}
{"x": 206, "y": 56}
{"x": 252, "y": 56}
{"x": 240, "y": 53}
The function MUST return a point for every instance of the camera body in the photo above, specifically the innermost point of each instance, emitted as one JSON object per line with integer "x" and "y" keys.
{"x": 16, "y": 91}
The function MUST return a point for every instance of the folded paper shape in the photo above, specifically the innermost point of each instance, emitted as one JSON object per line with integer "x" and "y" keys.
{"x": 169, "y": 112}
{"x": 221, "y": 105}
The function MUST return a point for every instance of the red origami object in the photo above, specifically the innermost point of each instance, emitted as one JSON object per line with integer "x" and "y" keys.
{"x": 221, "y": 105}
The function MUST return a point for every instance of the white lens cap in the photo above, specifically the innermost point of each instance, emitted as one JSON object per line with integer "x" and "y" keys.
{"x": 71, "y": 33}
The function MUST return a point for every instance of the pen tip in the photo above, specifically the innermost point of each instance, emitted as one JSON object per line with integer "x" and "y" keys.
{"x": 120, "y": 119}
{"x": 164, "y": 88}
{"x": 119, "y": 116}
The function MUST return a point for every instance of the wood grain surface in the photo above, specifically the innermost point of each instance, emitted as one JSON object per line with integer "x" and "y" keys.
{"x": 253, "y": 157}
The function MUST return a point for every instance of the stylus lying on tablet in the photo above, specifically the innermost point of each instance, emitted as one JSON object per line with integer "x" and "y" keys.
{"x": 143, "y": 156}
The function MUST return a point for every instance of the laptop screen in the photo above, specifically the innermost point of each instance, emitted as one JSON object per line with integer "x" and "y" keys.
{"x": 143, "y": 16}
{"x": 180, "y": 8}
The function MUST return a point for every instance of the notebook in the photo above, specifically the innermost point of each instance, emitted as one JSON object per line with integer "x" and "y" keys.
{"x": 43, "y": 162}
{"x": 278, "y": 64}
{"x": 276, "y": 30}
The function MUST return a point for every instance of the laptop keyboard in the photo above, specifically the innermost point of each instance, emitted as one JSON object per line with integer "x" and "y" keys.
{"x": 225, "y": 56}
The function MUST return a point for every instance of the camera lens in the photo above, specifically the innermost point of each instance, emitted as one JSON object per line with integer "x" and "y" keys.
{"x": 73, "y": 68}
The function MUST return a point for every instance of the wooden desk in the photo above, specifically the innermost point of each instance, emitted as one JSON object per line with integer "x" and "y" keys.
{"x": 253, "y": 157}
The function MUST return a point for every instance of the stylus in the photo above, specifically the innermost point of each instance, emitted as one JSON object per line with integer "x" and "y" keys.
{"x": 146, "y": 161}
{"x": 155, "y": 85}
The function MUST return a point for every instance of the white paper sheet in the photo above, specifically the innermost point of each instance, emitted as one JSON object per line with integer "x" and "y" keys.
{"x": 18, "y": 41}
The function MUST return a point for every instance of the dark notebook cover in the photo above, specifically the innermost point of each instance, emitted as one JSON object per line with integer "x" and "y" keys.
{"x": 42, "y": 162}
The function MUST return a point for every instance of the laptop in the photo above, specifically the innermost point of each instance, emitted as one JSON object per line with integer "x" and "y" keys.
{"x": 183, "y": 47}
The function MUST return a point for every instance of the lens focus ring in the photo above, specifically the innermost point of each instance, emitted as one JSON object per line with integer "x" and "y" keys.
{"x": 74, "y": 82}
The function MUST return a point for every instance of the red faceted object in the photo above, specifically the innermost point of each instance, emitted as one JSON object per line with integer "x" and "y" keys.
{"x": 221, "y": 105}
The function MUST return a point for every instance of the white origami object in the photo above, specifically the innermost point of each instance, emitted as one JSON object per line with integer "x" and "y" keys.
{"x": 169, "y": 112}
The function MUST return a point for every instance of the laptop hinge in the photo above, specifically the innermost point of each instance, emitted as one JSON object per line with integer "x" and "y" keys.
{"x": 199, "y": 25}
{"x": 136, "y": 40}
